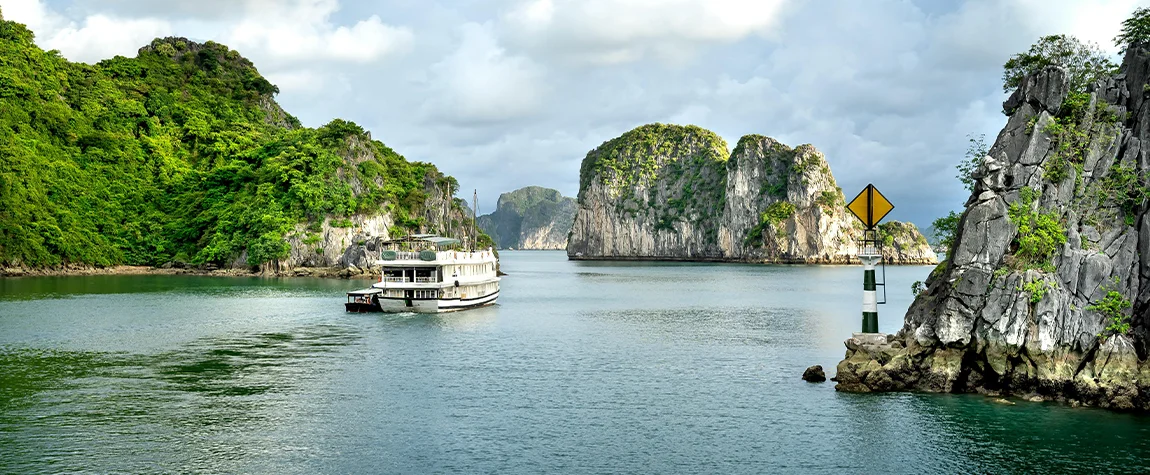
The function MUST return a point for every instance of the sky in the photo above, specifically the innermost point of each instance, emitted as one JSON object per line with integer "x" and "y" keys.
{"x": 503, "y": 94}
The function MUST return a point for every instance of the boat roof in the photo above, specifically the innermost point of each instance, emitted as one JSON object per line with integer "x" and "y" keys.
{"x": 365, "y": 291}
{"x": 431, "y": 238}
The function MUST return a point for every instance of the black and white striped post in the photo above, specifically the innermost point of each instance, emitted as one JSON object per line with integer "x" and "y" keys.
{"x": 870, "y": 256}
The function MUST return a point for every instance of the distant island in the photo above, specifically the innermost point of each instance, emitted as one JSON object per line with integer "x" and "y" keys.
{"x": 671, "y": 192}
{"x": 181, "y": 157}
{"x": 532, "y": 217}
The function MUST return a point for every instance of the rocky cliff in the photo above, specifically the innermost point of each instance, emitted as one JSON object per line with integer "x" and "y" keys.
{"x": 1046, "y": 294}
{"x": 673, "y": 192}
{"x": 530, "y": 218}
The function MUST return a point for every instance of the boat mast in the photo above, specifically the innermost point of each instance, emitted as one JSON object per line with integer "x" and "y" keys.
{"x": 474, "y": 216}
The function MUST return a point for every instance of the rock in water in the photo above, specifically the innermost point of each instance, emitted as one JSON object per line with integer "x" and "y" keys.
{"x": 1046, "y": 294}
{"x": 673, "y": 192}
{"x": 530, "y": 218}
{"x": 814, "y": 374}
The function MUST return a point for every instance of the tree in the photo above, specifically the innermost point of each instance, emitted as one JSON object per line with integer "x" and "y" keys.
{"x": 969, "y": 164}
{"x": 1084, "y": 62}
{"x": 1135, "y": 30}
{"x": 945, "y": 229}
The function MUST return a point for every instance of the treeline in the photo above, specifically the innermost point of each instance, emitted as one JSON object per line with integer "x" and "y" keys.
{"x": 179, "y": 154}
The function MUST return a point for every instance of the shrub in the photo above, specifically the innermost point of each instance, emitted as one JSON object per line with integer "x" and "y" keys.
{"x": 917, "y": 287}
{"x": 1037, "y": 290}
{"x": 772, "y": 217}
{"x": 1039, "y": 233}
{"x": 1114, "y": 306}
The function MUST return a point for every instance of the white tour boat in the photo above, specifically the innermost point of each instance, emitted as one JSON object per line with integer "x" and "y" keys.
{"x": 429, "y": 274}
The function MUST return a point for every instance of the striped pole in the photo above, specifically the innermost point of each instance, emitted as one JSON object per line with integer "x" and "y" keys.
{"x": 870, "y": 298}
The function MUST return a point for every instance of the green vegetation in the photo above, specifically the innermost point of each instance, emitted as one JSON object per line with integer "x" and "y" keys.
{"x": 917, "y": 287}
{"x": 1114, "y": 307}
{"x": 1123, "y": 188}
{"x": 831, "y": 200}
{"x": 1084, "y": 62}
{"x": 891, "y": 231}
{"x": 1037, "y": 289}
{"x": 1039, "y": 233}
{"x": 1135, "y": 30}
{"x": 773, "y": 218}
{"x": 178, "y": 154}
{"x": 946, "y": 228}
{"x": 634, "y": 156}
{"x": 972, "y": 160}
{"x": 682, "y": 168}
{"x": 1071, "y": 133}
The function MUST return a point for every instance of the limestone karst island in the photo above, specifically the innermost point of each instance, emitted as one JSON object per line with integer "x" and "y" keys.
{"x": 553, "y": 236}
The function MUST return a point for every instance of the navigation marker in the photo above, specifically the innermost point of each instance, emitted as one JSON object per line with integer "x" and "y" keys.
{"x": 870, "y": 207}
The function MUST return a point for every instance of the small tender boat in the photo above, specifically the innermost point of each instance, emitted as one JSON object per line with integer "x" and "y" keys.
{"x": 429, "y": 274}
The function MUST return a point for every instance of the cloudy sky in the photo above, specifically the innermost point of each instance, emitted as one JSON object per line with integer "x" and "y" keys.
{"x": 508, "y": 93}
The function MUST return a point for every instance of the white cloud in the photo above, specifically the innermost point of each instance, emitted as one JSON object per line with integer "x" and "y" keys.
{"x": 97, "y": 37}
{"x": 301, "y": 30}
{"x": 480, "y": 83}
{"x": 619, "y": 31}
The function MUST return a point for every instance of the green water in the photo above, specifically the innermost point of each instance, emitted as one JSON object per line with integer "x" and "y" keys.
{"x": 582, "y": 367}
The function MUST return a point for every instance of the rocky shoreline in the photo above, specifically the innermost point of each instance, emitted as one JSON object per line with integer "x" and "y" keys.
{"x": 318, "y": 272}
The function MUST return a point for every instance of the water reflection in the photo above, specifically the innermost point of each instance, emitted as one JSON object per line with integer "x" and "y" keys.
{"x": 31, "y": 288}
{"x": 209, "y": 396}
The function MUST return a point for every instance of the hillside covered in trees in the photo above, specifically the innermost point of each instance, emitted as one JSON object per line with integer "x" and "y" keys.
{"x": 181, "y": 154}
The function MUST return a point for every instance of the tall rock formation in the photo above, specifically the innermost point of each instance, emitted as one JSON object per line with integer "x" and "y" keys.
{"x": 1047, "y": 291}
{"x": 672, "y": 192}
{"x": 532, "y": 217}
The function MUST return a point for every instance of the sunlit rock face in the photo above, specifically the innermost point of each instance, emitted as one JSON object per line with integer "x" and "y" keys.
{"x": 1069, "y": 169}
{"x": 670, "y": 192}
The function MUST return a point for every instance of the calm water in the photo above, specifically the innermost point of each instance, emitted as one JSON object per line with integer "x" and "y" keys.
{"x": 583, "y": 367}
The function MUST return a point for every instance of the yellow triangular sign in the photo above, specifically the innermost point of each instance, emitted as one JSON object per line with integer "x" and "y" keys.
{"x": 870, "y": 206}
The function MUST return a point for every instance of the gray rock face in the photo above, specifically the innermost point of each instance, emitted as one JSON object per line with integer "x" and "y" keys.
{"x": 994, "y": 319}
{"x": 530, "y": 218}
{"x": 673, "y": 193}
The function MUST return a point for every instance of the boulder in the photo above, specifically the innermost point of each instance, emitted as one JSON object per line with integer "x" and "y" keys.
{"x": 814, "y": 374}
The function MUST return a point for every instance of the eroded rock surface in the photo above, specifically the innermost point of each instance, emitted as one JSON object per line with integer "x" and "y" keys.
{"x": 532, "y": 217}
{"x": 993, "y": 319}
{"x": 673, "y": 192}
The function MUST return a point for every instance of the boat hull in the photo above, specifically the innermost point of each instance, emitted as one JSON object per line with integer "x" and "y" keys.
{"x": 360, "y": 307}
{"x": 404, "y": 305}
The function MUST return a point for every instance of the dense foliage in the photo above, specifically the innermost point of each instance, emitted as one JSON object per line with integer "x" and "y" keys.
{"x": 945, "y": 229}
{"x": 1040, "y": 233}
{"x": 178, "y": 154}
{"x": 1135, "y": 30}
{"x": 1084, "y": 62}
{"x": 772, "y": 218}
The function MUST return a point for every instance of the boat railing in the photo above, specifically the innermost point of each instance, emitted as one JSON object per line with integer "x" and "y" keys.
{"x": 406, "y": 255}
{"x": 404, "y": 280}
